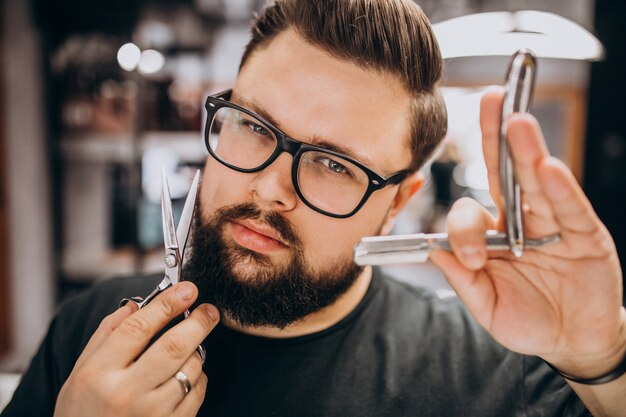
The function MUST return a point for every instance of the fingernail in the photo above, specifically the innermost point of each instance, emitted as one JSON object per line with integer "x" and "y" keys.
{"x": 473, "y": 257}
{"x": 211, "y": 310}
{"x": 184, "y": 291}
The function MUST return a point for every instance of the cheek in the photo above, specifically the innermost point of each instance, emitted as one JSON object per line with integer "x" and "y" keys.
{"x": 327, "y": 240}
{"x": 221, "y": 186}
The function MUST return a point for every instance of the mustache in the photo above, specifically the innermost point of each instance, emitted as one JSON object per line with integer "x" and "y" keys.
{"x": 273, "y": 219}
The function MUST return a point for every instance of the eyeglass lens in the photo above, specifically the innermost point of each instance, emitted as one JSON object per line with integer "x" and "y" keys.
{"x": 326, "y": 181}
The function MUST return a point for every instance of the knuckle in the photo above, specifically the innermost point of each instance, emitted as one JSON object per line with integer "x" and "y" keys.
{"x": 203, "y": 383}
{"x": 106, "y": 324}
{"x": 89, "y": 382}
{"x": 136, "y": 326}
{"x": 119, "y": 403}
{"x": 173, "y": 347}
{"x": 110, "y": 321}
{"x": 166, "y": 306}
{"x": 84, "y": 378}
{"x": 466, "y": 215}
{"x": 195, "y": 363}
{"x": 205, "y": 321}
{"x": 203, "y": 380}
{"x": 199, "y": 390}
{"x": 107, "y": 320}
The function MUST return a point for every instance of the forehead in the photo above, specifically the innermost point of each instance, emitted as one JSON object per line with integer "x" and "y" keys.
{"x": 314, "y": 96}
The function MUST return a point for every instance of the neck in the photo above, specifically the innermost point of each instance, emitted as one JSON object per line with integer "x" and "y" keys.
{"x": 315, "y": 322}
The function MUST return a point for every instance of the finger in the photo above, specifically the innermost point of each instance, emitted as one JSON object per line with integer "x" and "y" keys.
{"x": 173, "y": 389}
{"x": 131, "y": 337}
{"x": 192, "y": 402}
{"x": 108, "y": 324}
{"x": 475, "y": 289}
{"x": 528, "y": 149}
{"x": 466, "y": 224}
{"x": 490, "y": 121}
{"x": 572, "y": 209}
{"x": 172, "y": 349}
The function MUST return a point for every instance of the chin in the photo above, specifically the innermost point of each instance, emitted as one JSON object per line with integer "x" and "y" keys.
{"x": 248, "y": 265}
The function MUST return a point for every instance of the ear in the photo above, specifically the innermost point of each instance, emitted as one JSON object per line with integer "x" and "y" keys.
{"x": 408, "y": 187}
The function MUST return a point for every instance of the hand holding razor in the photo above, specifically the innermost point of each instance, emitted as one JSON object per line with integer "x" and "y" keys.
{"x": 380, "y": 250}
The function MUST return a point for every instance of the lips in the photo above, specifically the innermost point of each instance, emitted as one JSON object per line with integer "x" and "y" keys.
{"x": 256, "y": 236}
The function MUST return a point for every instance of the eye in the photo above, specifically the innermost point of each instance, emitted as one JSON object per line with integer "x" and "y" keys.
{"x": 255, "y": 128}
{"x": 334, "y": 166}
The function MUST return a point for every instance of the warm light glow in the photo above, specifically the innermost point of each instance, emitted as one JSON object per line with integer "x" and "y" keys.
{"x": 128, "y": 56}
{"x": 502, "y": 33}
{"x": 151, "y": 61}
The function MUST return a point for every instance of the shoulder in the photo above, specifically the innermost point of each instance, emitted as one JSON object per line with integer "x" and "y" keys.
{"x": 72, "y": 327}
{"x": 104, "y": 297}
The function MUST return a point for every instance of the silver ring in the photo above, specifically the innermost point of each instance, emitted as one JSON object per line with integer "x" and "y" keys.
{"x": 202, "y": 353}
{"x": 184, "y": 381}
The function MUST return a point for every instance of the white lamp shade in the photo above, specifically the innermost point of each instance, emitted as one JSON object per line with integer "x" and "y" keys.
{"x": 502, "y": 33}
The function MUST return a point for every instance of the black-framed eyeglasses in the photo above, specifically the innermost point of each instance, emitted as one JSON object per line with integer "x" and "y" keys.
{"x": 327, "y": 181}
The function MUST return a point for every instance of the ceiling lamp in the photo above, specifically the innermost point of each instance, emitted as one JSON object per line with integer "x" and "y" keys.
{"x": 548, "y": 35}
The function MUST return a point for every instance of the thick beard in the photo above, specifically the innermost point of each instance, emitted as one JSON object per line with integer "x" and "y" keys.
{"x": 265, "y": 294}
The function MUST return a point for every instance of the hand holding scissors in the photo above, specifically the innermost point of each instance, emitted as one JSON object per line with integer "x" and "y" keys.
{"x": 119, "y": 372}
{"x": 172, "y": 237}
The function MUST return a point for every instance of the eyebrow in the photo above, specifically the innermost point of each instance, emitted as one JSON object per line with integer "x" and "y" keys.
{"x": 314, "y": 140}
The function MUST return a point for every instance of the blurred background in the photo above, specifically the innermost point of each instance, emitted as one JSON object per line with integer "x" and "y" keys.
{"x": 98, "y": 95}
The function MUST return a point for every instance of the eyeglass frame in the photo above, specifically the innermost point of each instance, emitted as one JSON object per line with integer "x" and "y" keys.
{"x": 285, "y": 143}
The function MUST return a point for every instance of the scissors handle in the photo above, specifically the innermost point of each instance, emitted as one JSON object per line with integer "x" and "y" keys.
{"x": 142, "y": 302}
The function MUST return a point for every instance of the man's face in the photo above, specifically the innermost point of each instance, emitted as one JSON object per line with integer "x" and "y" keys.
{"x": 317, "y": 99}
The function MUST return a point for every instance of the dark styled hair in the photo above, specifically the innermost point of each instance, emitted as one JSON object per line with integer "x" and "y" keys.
{"x": 390, "y": 36}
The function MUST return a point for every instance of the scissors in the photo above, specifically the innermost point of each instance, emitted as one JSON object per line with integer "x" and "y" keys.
{"x": 382, "y": 250}
{"x": 175, "y": 241}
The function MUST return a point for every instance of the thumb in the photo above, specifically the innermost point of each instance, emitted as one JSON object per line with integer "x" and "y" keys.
{"x": 474, "y": 288}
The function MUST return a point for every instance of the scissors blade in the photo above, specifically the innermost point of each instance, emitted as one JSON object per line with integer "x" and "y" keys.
{"x": 184, "y": 225}
{"x": 167, "y": 215}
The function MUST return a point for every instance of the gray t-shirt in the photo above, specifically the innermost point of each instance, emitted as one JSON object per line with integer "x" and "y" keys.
{"x": 402, "y": 352}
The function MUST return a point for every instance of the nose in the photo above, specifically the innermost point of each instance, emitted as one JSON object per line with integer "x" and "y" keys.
{"x": 272, "y": 187}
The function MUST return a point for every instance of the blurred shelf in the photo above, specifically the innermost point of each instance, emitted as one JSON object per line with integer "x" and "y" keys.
{"x": 120, "y": 148}
{"x": 93, "y": 265}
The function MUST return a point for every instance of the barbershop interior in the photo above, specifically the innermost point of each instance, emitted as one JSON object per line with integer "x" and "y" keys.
{"x": 99, "y": 97}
